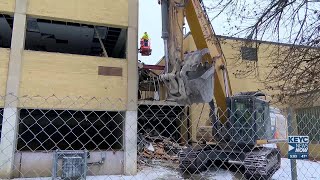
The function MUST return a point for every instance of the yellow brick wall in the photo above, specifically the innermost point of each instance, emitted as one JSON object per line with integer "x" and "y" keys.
{"x": 4, "y": 62}
{"x": 7, "y": 6}
{"x": 253, "y": 82}
{"x": 231, "y": 49}
{"x": 103, "y": 12}
{"x": 63, "y": 78}
{"x": 189, "y": 44}
{"x": 199, "y": 115}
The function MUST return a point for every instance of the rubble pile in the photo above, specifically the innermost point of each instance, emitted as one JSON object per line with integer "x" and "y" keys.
{"x": 158, "y": 147}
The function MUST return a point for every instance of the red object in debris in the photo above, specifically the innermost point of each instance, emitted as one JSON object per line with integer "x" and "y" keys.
{"x": 145, "y": 47}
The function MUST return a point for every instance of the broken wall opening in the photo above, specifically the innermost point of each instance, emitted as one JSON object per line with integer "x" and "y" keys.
{"x": 75, "y": 38}
{"x": 46, "y": 130}
{"x": 6, "y": 25}
{"x": 149, "y": 85}
{"x": 164, "y": 120}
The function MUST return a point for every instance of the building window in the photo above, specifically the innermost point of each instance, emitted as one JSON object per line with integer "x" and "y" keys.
{"x": 46, "y": 130}
{"x": 6, "y": 24}
{"x": 250, "y": 54}
{"x": 75, "y": 38}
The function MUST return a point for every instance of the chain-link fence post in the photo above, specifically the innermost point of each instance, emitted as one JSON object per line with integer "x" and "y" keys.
{"x": 293, "y": 163}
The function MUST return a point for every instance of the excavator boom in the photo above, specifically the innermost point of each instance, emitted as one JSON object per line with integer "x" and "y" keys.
{"x": 197, "y": 76}
{"x": 204, "y": 37}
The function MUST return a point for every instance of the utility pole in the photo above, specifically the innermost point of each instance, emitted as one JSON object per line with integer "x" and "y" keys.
{"x": 293, "y": 162}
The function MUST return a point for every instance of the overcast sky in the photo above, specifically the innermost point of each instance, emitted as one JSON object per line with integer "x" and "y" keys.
{"x": 150, "y": 21}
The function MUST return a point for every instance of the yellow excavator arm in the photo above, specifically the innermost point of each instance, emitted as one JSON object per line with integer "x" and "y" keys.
{"x": 188, "y": 76}
{"x": 204, "y": 37}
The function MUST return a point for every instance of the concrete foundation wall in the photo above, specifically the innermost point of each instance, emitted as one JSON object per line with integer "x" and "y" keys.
{"x": 7, "y": 6}
{"x": 104, "y": 12}
{"x": 4, "y": 63}
{"x": 69, "y": 77}
{"x": 39, "y": 164}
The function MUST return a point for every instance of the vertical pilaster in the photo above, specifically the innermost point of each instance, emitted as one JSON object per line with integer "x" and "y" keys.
{"x": 130, "y": 129}
{"x": 10, "y": 114}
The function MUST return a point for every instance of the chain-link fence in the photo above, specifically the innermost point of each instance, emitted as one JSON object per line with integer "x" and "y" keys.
{"x": 74, "y": 138}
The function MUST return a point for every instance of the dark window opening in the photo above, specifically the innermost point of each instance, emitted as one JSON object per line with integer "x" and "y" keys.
{"x": 46, "y": 130}
{"x": 75, "y": 38}
{"x": 250, "y": 54}
{"x": 6, "y": 24}
{"x": 165, "y": 121}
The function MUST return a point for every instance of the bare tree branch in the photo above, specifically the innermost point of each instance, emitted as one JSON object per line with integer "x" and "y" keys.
{"x": 294, "y": 70}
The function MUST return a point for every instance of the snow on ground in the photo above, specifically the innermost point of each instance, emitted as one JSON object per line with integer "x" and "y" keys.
{"x": 307, "y": 170}
{"x": 157, "y": 173}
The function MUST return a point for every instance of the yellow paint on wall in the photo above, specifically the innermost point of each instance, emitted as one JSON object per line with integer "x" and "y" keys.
{"x": 188, "y": 44}
{"x": 103, "y": 12}
{"x": 65, "y": 81}
{"x": 231, "y": 49}
{"x": 4, "y": 63}
{"x": 7, "y": 6}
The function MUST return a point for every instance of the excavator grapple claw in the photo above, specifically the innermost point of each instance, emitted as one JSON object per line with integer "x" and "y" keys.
{"x": 194, "y": 82}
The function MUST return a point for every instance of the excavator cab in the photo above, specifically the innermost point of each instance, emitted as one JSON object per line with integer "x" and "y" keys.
{"x": 237, "y": 140}
{"x": 145, "y": 47}
{"x": 248, "y": 119}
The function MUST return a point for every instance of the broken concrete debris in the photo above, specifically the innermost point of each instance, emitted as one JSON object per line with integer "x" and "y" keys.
{"x": 158, "y": 148}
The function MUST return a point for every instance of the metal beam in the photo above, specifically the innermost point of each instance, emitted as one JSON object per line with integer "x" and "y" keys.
{"x": 153, "y": 67}
{"x": 101, "y": 43}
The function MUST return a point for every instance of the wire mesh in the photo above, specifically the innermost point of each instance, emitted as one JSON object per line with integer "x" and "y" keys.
{"x": 172, "y": 141}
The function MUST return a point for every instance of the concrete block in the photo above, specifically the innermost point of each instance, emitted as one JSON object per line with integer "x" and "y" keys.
{"x": 130, "y": 143}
